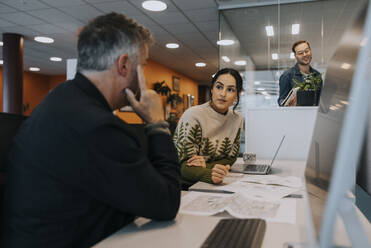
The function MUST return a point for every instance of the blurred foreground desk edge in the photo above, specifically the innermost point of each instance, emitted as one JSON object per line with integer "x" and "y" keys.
{"x": 192, "y": 231}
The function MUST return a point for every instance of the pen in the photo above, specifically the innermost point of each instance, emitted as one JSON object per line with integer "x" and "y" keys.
{"x": 212, "y": 191}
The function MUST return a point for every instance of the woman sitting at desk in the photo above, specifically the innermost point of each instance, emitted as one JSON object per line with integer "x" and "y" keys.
{"x": 208, "y": 136}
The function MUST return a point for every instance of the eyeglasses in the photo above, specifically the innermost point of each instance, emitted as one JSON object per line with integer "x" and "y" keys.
{"x": 303, "y": 52}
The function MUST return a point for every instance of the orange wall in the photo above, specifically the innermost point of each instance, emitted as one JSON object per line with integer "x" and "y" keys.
{"x": 35, "y": 87}
{"x": 155, "y": 72}
{"x": 55, "y": 80}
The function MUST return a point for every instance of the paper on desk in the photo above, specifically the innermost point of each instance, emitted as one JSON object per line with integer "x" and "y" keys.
{"x": 290, "y": 181}
{"x": 239, "y": 206}
{"x": 258, "y": 191}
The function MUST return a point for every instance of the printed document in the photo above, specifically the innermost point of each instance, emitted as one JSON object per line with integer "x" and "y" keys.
{"x": 290, "y": 181}
{"x": 239, "y": 206}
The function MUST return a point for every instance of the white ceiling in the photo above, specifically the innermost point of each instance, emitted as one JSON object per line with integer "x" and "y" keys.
{"x": 194, "y": 24}
{"x": 191, "y": 23}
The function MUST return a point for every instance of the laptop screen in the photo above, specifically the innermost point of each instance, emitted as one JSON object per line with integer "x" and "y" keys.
{"x": 278, "y": 148}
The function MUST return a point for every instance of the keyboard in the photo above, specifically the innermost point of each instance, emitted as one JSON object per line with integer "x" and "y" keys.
{"x": 256, "y": 167}
{"x": 236, "y": 233}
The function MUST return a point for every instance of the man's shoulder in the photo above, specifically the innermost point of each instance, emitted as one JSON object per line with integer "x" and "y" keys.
{"x": 288, "y": 72}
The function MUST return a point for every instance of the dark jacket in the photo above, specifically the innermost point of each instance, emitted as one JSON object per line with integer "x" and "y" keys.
{"x": 287, "y": 82}
{"x": 77, "y": 173}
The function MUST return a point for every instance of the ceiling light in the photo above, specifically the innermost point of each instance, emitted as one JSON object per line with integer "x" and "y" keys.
{"x": 57, "y": 59}
{"x": 256, "y": 82}
{"x": 226, "y": 59}
{"x": 1, "y": 43}
{"x": 225, "y": 42}
{"x": 269, "y": 30}
{"x": 292, "y": 56}
{"x": 260, "y": 89}
{"x": 200, "y": 64}
{"x": 345, "y": 66}
{"x": 154, "y": 5}
{"x": 240, "y": 62}
{"x": 43, "y": 39}
{"x": 1, "y": 62}
{"x": 344, "y": 102}
{"x": 274, "y": 56}
{"x": 172, "y": 45}
{"x": 295, "y": 28}
{"x": 34, "y": 69}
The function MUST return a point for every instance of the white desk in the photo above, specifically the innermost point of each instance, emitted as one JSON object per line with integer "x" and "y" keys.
{"x": 191, "y": 231}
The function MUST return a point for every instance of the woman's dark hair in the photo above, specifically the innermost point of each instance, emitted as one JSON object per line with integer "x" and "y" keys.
{"x": 236, "y": 76}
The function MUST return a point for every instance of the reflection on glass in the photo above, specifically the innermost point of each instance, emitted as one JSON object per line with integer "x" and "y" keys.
{"x": 263, "y": 36}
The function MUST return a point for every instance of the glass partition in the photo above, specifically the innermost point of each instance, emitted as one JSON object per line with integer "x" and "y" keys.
{"x": 257, "y": 40}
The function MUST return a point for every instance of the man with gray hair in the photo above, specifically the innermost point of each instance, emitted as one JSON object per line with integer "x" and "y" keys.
{"x": 77, "y": 173}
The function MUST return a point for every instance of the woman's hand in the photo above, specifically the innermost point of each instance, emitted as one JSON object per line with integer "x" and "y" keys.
{"x": 218, "y": 173}
{"x": 197, "y": 160}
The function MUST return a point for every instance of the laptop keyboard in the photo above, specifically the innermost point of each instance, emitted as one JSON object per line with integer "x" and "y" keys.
{"x": 236, "y": 233}
{"x": 256, "y": 167}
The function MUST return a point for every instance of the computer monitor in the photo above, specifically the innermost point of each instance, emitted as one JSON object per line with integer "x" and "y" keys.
{"x": 9, "y": 124}
{"x": 329, "y": 127}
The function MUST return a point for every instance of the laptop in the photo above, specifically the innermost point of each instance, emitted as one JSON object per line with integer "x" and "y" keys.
{"x": 262, "y": 169}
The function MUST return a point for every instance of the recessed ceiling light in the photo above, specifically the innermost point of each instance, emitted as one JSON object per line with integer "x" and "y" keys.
{"x": 295, "y": 28}
{"x": 1, "y": 43}
{"x": 225, "y": 42}
{"x": 269, "y": 30}
{"x": 34, "y": 69}
{"x": 57, "y": 59}
{"x": 1, "y": 62}
{"x": 226, "y": 59}
{"x": 256, "y": 82}
{"x": 260, "y": 89}
{"x": 274, "y": 56}
{"x": 154, "y": 5}
{"x": 43, "y": 39}
{"x": 240, "y": 62}
{"x": 172, "y": 45}
{"x": 200, "y": 64}
{"x": 345, "y": 66}
{"x": 292, "y": 56}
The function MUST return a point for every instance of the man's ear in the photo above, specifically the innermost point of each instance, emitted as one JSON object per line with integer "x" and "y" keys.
{"x": 123, "y": 65}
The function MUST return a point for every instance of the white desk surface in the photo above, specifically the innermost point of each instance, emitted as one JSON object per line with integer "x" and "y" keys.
{"x": 191, "y": 231}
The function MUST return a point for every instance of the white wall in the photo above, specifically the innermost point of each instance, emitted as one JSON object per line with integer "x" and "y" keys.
{"x": 71, "y": 68}
{"x": 266, "y": 126}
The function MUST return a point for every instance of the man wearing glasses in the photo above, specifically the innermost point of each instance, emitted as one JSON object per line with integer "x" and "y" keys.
{"x": 302, "y": 69}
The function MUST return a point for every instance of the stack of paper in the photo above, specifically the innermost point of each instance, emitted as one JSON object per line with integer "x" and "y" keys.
{"x": 239, "y": 206}
{"x": 259, "y": 191}
{"x": 292, "y": 182}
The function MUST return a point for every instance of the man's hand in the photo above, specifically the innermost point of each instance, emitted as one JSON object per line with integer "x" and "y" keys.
{"x": 218, "y": 173}
{"x": 293, "y": 101}
{"x": 149, "y": 107}
{"x": 197, "y": 161}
